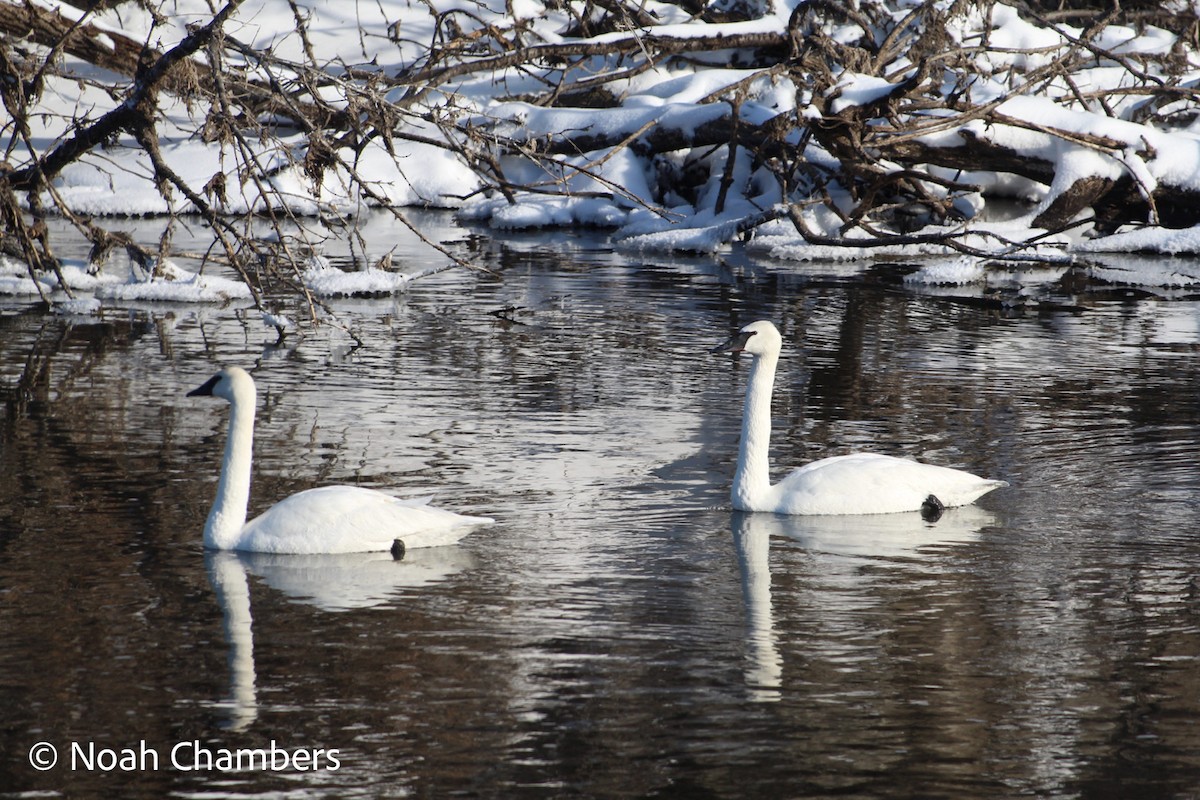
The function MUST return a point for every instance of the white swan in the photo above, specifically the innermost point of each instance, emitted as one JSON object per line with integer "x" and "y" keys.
{"x": 330, "y": 519}
{"x": 860, "y": 483}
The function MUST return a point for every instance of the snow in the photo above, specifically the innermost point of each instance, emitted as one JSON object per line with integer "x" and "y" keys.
{"x": 858, "y": 90}
{"x": 1155, "y": 240}
{"x": 1151, "y": 273}
{"x": 172, "y": 284}
{"x": 324, "y": 280}
{"x": 771, "y": 23}
{"x": 84, "y": 307}
{"x": 611, "y": 186}
{"x": 957, "y": 272}
{"x": 280, "y": 321}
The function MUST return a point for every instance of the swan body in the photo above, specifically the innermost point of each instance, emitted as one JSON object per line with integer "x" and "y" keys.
{"x": 329, "y": 519}
{"x": 860, "y": 483}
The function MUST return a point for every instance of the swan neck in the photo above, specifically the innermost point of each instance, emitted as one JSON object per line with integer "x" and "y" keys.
{"x": 228, "y": 514}
{"x": 752, "y": 478}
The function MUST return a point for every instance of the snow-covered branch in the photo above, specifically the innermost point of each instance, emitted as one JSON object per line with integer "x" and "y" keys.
{"x": 881, "y": 122}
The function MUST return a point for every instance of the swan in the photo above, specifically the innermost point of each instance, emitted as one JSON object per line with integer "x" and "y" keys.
{"x": 329, "y": 519}
{"x": 859, "y": 483}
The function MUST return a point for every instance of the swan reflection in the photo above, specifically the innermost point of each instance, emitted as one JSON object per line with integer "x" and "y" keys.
{"x": 228, "y": 578}
{"x": 764, "y": 670}
{"x": 840, "y": 545}
{"x": 337, "y": 582}
{"x": 881, "y": 535}
{"x": 345, "y": 581}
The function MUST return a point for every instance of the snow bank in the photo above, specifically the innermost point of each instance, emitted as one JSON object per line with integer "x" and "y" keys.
{"x": 324, "y": 280}
{"x": 957, "y": 272}
{"x": 1146, "y": 240}
{"x": 173, "y": 284}
{"x": 604, "y": 178}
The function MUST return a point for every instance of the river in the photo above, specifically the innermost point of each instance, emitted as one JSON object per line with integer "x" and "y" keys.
{"x": 620, "y": 632}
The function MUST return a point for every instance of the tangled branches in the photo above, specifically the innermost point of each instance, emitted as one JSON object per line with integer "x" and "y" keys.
{"x": 863, "y": 124}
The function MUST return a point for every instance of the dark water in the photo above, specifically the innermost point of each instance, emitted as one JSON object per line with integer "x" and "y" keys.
{"x": 619, "y": 632}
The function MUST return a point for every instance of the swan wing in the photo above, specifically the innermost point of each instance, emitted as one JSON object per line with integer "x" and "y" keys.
{"x": 352, "y": 519}
{"x": 869, "y": 483}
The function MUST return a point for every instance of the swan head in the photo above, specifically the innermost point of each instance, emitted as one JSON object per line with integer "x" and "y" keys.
{"x": 226, "y": 384}
{"x": 757, "y": 338}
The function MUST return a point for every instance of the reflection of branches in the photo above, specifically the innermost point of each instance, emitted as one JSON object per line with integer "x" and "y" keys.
{"x": 34, "y": 380}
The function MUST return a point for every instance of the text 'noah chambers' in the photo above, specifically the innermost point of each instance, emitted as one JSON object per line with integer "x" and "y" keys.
{"x": 194, "y": 756}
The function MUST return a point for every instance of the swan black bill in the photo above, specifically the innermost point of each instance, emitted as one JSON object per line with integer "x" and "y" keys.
{"x": 207, "y": 389}
{"x": 398, "y": 549}
{"x": 736, "y": 343}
